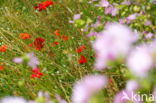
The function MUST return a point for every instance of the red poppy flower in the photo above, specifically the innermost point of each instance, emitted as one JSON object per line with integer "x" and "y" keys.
{"x": 57, "y": 33}
{"x": 38, "y": 43}
{"x": 1, "y": 67}
{"x": 3, "y": 48}
{"x": 43, "y": 5}
{"x": 30, "y": 45}
{"x": 24, "y": 36}
{"x": 35, "y": 70}
{"x": 36, "y": 73}
{"x": 80, "y": 49}
{"x": 82, "y": 59}
{"x": 56, "y": 43}
{"x": 63, "y": 37}
{"x": 35, "y": 76}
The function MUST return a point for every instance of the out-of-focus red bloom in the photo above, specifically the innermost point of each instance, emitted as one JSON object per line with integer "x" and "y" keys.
{"x": 36, "y": 73}
{"x": 3, "y": 48}
{"x": 57, "y": 33}
{"x": 1, "y": 67}
{"x": 43, "y": 5}
{"x": 110, "y": 80}
{"x": 63, "y": 37}
{"x": 30, "y": 45}
{"x": 56, "y": 43}
{"x": 38, "y": 43}
{"x": 82, "y": 59}
{"x": 80, "y": 49}
{"x": 24, "y": 36}
{"x": 34, "y": 76}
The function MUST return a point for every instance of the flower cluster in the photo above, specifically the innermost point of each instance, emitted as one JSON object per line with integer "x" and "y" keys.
{"x": 36, "y": 73}
{"x": 82, "y": 58}
{"x": 32, "y": 62}
{"x": 122, "y": 37}
{"x": 38, "y": 43}
{"x": 24, "y": 36}
{"x": 43, "y": 5}
{"x": 3, "y": 48}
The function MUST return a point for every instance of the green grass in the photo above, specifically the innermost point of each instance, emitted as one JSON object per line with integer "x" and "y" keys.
{"x": 59, "y": 64}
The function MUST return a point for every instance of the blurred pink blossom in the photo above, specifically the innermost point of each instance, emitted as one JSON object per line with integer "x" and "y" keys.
{"x": 149, "y": 35}
{"x": 147, "y": 23}
{"x": 131, "y": 17}
{"x": 104, "y": 3}
{"x": 17, "y": 60}
{"x": 92, "y": 33}
{"x": 127, "y": 94}
{"x": 13, "y": 100}
{"x": 126, "y": 2}
{"x": 153, "y": 51}
{"x": 132, "y": 85}
{"x": 32, "y": 60}
{"x": 75, "y": 17}
{"x": 86, "y": 87}
{"x": 112, "y": 43}
{"x": 140, "y": 61}
{"x": 111, "y": 10}
{"x": 121, "y": 21}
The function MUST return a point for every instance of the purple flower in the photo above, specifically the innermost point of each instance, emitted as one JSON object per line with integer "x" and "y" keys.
{"x": 147, "y": 23}
{"x": 127, "y": 94}
{"x": 33, "y": 61}
{"x": 86, "y": 87}
{"x": 112, "y": 43}
{"x": 140, "y": 61}
{"x": 126, "y": 2}
{"x": 13, "y": 100}
{"x": 149, "y": 35}
{"x": 132, "y": 85}
{"x": 153, "y": 50}
{"x": 121, "y": 21}
{"x": 111, "y": 10}
{"x": 71, "y": 21}
{"x": 131, "y": 17}
{"x": 104, "y": 3}
{"x": 75, "y": 17}
{"x": 92, "y": 33}
{"x": 18, "y": 60}
{"x": 114, "y": 12}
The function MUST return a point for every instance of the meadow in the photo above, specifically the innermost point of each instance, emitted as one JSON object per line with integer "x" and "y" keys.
{"x": 47, "y": 46}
